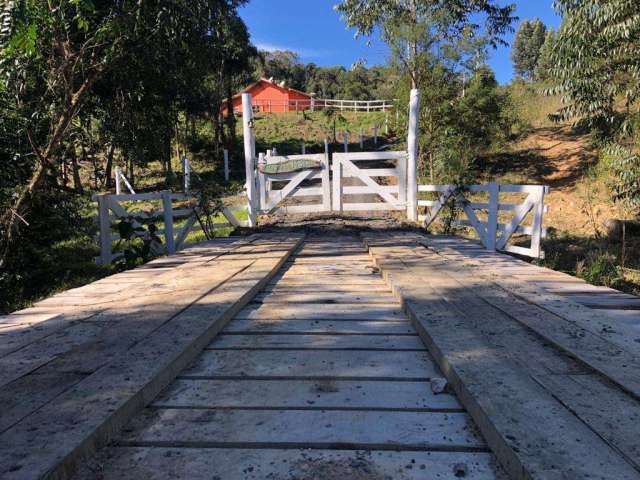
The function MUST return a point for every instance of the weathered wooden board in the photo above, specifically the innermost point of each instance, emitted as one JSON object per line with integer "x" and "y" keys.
{"x": 531, "y": 432}
{"x": 611, "y": 413}
{"x": 243, "y": 464}
{"x": 322, "y": 326}
{"x": 377, "y": 287}
{"x": 325, "y": 312}
{"x": 305, "y": 363}
{"x": 303, "y": 429}
{"x": 326, "y": 297}
{"x": 51, "y": 440}
{"x": 304, "y": 394}
{"x": 310, "y": 342}
{"x": 317, "y": 279}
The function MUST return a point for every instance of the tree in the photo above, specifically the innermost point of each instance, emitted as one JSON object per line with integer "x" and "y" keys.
{"x": 596, "y": 62}
{"x": 527, "y": 46}
{"x": 545, "y": 60}
{"x": 68, "y": 63}
{"x": 413, "y": 27}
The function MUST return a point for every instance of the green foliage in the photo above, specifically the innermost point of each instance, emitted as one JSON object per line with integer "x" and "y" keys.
{"x": 527, "y": 47}
{"x": 599, "y": 268}
{"x": 138, "y": 243}
{"x": 623, "y": 166}
{"x": 545, "y": 58}
{"x": 358, "y": 83}
{"x": 596, "y": 61}
{"x": 415, "y": 28}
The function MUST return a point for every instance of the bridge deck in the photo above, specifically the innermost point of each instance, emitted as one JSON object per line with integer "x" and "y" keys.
{"x": 278, "y": 357}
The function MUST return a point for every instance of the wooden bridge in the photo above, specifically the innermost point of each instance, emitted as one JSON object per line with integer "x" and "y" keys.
{"x": 328, "y": 353}
{"x": 364, "y": 355}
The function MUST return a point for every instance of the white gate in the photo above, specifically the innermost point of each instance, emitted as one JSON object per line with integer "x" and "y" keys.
{"x": 381, "y": 175}
{"x": 293, "y": 196}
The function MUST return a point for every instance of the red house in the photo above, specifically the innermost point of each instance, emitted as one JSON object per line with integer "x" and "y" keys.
{"x": 270, "y": 97}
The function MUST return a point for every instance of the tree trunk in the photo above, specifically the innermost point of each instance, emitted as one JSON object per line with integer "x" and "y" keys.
{"x": 231, "y": 118}
{"x": 77, "y": 181}
{"x": 108, "y": 169}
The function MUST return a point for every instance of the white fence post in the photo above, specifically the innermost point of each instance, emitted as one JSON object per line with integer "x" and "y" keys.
{"x": 537, "y": 224}
{"x": 225, "y": 153}
{"x": 492, "y": 220}
{"x": 412, "y": 163}
{"x": 167, "y": 210}
{"x": 337, "y": 185}
{"x": 118, "y": 180}
{"x": 105, "y": 229}
{"x": 262, "y": 182}
{"x": 326, "y": 179}
{"x": 249, "y": 156}
{"x": 186, "y": 170}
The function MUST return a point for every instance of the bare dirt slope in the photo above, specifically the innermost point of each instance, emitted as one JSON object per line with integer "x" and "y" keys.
{"x": 559, "y": 157}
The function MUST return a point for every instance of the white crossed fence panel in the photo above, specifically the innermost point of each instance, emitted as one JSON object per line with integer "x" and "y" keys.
{"x": 281, "y": 200}
{"x": 111, "y": 210}
{"x": 492, "y": 232}
{"x": 388, "y": 184}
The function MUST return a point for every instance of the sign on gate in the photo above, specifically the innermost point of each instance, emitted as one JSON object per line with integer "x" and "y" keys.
{"x": 292, "y": 188}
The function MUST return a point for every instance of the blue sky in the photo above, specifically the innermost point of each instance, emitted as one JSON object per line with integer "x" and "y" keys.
{"x": 314, "y": 30}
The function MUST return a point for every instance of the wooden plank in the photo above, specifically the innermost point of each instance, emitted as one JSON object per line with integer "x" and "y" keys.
{"x": 303, "y": 429}
{"x": 304, "y": 394}
{"x": 611, "y": 413}
{"x": 317, "y": 342}
{"x": 241, "y": 464}
{"x": 327, "y": 312}
{"x": 326, "y": 297}
{"x": 363, "y": 288}
{"x": 529, "y": 430}
{"x": 51, "y": 440}
{"x": 312, "y": 364}
{"x": 320, "y": 326}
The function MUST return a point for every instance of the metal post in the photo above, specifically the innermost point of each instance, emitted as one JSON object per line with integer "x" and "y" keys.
{"x": 412, "y": 164}
{"x": 304, "y": 149}
{"x": 361, "y": 139}
{"x": 249, "y": 156}
{"x": 345, "y": 139}
{"x": 375, "y": 135}
{"x": 225, "y": 153}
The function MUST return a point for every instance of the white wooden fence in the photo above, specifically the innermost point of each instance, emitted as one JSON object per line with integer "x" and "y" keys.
{"x": 315, "y": 104}
{"x": 387, "y": 184}
{"x": 498, "y": 228}
{"x": 279, "y": 200}
{"x": 111, "y": 210}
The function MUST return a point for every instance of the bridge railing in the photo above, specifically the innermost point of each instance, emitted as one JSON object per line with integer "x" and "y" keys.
{"x": 176, "y": 223}
{"x": 496, "y": 220}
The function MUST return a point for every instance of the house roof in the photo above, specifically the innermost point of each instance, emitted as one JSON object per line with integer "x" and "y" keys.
{"x": 272, "y": 83}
